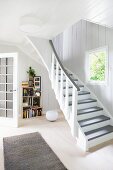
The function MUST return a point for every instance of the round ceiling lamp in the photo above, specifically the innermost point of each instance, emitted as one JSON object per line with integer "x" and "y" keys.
{"x": 30, "y": 24}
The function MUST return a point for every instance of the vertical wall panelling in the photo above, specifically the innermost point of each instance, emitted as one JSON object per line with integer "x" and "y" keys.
{"x": 77, "y": 40}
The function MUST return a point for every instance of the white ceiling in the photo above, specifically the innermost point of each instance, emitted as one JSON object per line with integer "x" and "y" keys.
{"x": 56, "y": 15}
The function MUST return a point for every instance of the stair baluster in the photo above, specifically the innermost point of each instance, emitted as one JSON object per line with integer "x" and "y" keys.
{"x": 61, "y": 91}
{"x": 74, "y": 128}
{"x": 53, "y": 70}
{"x": 67, "y": 98}
{"x": 57, "y": 80}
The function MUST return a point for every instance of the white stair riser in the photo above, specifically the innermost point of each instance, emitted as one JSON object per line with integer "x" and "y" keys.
{"x": 70, "y": 90}
{"x": 59, "y": 71}
{"x": 86, "y": 105}
{"x": 64, "y": 83}
{"x": 96, "y": 126}
{"x": 100, "y": 140}
{"x": 81, "y": 97}
{"x": 89, "y": 115}
{"x": 59, "y": 77}
{"x": 64, "y": 91}
{"x": 81, "y": 88}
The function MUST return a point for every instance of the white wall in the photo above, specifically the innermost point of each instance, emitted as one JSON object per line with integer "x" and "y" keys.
{"x": 48, "y": 98}
{"x": 43, "y": 49}
{"x": 80, "y": 38}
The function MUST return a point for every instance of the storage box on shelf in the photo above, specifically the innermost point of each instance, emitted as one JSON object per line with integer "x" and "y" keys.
{"x": 31, "y": 102}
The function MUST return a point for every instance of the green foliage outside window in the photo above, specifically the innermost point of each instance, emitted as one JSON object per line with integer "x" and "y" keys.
{"x": 97, "y": 66}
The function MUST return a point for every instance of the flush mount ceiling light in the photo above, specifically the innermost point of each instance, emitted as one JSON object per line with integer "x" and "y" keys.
{"x": 30, "y": 24}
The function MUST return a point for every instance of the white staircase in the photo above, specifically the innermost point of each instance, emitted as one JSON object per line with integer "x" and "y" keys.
{"x": 90, "y": 123}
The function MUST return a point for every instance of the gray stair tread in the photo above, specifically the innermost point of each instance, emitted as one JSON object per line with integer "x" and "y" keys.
{"x": 79, "y": 85}
{"x": 83, "y": 92}
{"x": 93, "y": 120}
{"x": 69, "y": 74}
{"x": 89, "y": 100}
{"x": 89, "y": 110}
{"x": 69, "y": 87}
{"x": 93, "y": 134}
{"x": 65, "y": 80}
{"x": 55, "y": 68}
{"x": 84, "y": 101}
{"x": 70, "y": 94}
{"x": 70, "y": 103}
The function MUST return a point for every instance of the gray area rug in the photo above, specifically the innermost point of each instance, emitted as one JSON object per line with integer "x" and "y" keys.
{"x": 29, "y": 152}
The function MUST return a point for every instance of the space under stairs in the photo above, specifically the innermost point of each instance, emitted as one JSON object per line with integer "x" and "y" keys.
{"x": 90, "y": 123}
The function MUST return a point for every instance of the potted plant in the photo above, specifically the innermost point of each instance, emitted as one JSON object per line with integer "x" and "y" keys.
{"x": 31, "y": 73}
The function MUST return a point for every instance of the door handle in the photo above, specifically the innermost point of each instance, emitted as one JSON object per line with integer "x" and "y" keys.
{"x": 12, "y": 90}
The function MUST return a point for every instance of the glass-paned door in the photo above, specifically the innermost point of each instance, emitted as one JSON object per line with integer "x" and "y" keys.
{"x": 8, "y": 89}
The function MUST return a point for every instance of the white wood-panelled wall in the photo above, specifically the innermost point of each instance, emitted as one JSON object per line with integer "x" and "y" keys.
{"x": 72, "y": 46}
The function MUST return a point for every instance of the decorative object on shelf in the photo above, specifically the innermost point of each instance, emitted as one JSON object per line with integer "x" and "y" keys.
{"x": 52, "y": 115}
{"x": 37, "y": 93}
{"x": 40, "y": 111}
{"x": 30, "y": 83}
{"x": 25, "y": 104}
{"x": 25, "y": 92}
{"x": 32, "y": 74}
{"x": 37, "y": 110}
{"x": 37, "y": 83}
{"x": 25, "y": 83}
{"x": 36, "y": 101}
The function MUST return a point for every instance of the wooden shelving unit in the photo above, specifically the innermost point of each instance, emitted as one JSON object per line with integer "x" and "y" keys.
{"x": 31, "y": 102}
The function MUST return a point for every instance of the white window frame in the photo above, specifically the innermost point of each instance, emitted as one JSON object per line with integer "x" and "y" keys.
{"x": 105, "y": 82}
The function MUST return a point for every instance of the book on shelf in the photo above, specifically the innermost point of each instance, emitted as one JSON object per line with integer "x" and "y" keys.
{"x": 30, "y": 101}
{"x": 29, "y": 112}
{"x": 28, "y": 92}
{"x": 26, "y": 114}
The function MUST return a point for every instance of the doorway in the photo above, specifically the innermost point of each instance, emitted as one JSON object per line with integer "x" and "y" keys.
{"x": 8, "y": 89}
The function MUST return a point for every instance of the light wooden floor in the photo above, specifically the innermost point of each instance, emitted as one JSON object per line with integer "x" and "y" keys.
{"x": 57, "y": 135}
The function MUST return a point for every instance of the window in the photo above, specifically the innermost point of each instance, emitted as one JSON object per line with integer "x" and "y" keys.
{"x": 97, "y": 65}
